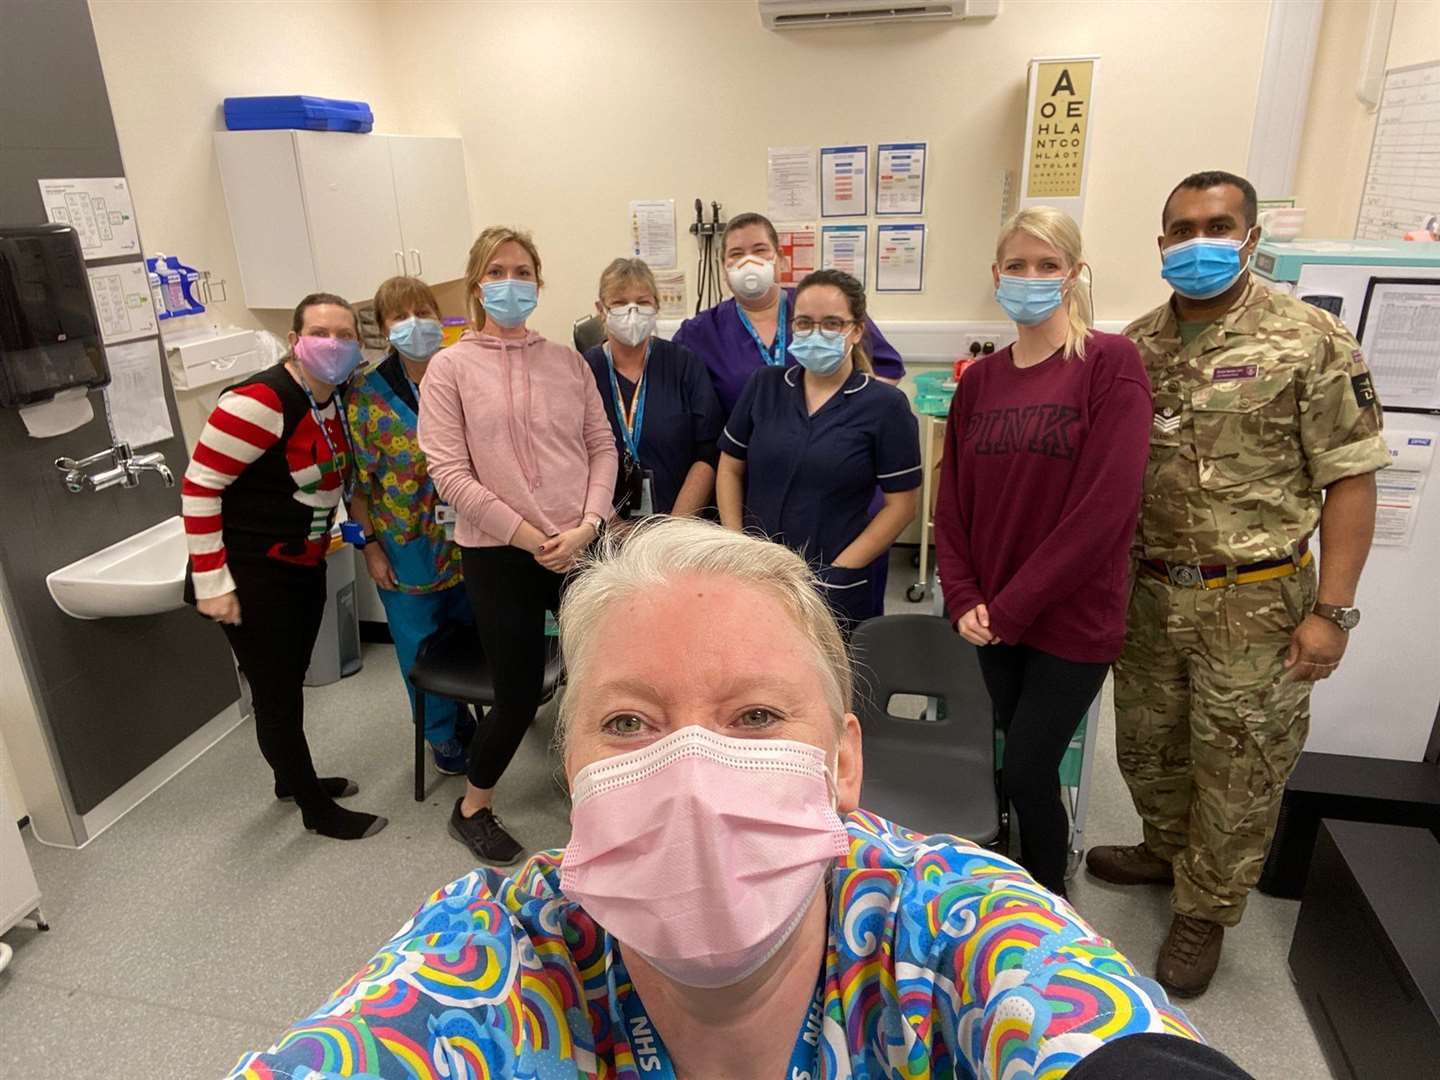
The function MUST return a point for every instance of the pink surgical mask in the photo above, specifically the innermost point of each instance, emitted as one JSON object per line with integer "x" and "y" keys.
{"x": 331, "y": 360}
{"x": 701, "y": 852}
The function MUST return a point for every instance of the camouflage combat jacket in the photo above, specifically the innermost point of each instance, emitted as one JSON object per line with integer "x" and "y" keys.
{"x": 1253, "y": 420}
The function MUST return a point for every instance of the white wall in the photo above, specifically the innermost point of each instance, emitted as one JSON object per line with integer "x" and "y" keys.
{"x": 168, "y": 67}
{"x": 571, "y": 109}
{"x": 1335, "y": 151}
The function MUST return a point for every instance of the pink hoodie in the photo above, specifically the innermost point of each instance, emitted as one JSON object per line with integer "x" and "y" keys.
{"x": 514, "y": 430}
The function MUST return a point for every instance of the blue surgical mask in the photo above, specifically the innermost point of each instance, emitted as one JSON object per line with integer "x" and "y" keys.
{"x": 820, "y": 352}
{"x": 417, "y": 338}
{"x": 509, "y": 301}
{"x": 1204, "y": 267}
{"x": 1029, "y": 301}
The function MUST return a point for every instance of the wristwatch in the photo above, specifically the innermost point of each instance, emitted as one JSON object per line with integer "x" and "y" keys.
{"x": 1347, "y": 618}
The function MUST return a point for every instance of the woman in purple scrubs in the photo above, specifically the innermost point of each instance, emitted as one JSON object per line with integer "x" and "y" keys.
{"x": 739, "y": 336}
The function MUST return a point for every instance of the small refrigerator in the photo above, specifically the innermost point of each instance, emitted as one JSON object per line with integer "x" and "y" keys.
{"x": 1383, "y": 699}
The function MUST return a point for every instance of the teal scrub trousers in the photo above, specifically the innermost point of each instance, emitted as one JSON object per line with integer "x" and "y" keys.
{"x": 413, "y": 617}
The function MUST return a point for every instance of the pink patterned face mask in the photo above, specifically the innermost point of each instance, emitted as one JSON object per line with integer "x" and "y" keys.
{"x": 702, "y": 852}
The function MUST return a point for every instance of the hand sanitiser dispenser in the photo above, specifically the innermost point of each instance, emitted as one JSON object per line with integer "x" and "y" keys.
{"x": 50, "y": 350}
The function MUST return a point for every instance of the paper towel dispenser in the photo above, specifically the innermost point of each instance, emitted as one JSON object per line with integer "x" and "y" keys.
{"x": 49, "y": 334}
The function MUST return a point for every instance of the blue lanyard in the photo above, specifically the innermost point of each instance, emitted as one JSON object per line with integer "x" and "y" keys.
{"x": 774, "y": 356}
{"x": 632, "y": 419}
{"x": 651, "y": 1058}
{"x": 347, "y": 485}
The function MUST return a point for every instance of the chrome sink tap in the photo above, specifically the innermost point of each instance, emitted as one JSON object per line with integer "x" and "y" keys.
{"x": 125, "y": 471}
{"x": 151, "y": 462}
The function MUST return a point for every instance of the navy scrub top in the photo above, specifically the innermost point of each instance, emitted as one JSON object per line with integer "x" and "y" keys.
{"x": 809, "y": 479}
{"x": 682, "y": 416}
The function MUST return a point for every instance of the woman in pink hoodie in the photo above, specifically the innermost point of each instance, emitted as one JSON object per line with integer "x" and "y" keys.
{"x": 519, "y": 446}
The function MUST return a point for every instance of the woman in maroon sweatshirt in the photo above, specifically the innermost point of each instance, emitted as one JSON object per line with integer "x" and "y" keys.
{"x": 1039, "y": 489}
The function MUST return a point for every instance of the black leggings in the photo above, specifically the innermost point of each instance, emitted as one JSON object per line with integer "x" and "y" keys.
{"x": 1039, "y": 701}
{"x": 280, "y": 617}
{"x": 510, "y": 593}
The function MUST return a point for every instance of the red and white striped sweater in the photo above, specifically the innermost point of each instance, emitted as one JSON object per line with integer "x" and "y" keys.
{"x": 262, "y": 486}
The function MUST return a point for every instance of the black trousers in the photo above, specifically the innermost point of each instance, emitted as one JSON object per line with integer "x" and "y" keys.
{"x": 280, "y": 614}
{"x": 510, "y": 593}
{"x": 1039, "y": 701}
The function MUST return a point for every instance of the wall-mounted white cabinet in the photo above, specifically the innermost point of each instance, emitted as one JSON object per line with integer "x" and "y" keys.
{"x": 332, "y": 211}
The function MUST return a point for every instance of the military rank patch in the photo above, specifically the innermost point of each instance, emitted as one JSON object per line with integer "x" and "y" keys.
{"x": 1364, "y": 389}
{"x": 1167, "y": 419}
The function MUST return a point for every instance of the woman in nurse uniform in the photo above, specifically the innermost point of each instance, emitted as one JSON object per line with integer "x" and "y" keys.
{"x": 751, "y": 331}
{"x": 806, "y": 447}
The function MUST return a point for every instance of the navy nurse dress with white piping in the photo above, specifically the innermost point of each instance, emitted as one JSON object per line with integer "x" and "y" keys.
{"x": 809, "y": 479}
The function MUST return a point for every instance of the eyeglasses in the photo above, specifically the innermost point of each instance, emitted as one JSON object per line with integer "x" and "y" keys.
{"x": 831, "y": 324}
{"x": 625, "y": 309}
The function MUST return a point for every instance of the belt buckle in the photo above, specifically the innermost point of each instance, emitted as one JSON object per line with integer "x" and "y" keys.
{"x": 1185, "y": 577}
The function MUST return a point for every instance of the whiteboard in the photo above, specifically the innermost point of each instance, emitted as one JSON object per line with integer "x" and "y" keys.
{"x": 1402, "y": 184}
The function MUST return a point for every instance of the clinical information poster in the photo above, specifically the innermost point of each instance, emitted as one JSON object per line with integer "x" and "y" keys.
{"x": 900, "y": 178}
{"x": 899, "y": 258}
{"x": 842, "y": 247}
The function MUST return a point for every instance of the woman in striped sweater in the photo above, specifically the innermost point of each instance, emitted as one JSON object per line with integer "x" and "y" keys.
{"x": 259, "y": 500}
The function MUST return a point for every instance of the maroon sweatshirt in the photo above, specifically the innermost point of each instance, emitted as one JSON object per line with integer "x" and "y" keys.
{"x": 1039, "y": 491}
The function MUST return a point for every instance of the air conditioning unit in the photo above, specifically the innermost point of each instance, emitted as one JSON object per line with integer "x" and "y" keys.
{"x": 803, "y": 14}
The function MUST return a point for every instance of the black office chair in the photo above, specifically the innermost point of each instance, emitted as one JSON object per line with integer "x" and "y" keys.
{"x": 934, "y": 776}
{"x": 587, "y": 332}
{"x": 451, "y": 664}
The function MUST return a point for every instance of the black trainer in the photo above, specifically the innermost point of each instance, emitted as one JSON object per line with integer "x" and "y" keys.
{"x": 485, "y": 836}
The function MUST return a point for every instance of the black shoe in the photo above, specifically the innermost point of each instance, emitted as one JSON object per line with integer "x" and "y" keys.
{"x": 485, "y": 836}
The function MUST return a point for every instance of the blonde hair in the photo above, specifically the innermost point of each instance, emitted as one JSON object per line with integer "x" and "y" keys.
{"x": 481, "y": 252}
{"x": 399, "y": 294}
{"x": 660, "y": 549}
{"x": 1058, "y": 229}
{"x": 622, "y": 273}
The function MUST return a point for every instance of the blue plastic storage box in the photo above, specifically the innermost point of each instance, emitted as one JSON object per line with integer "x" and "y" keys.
{"x": 297, "y": 111}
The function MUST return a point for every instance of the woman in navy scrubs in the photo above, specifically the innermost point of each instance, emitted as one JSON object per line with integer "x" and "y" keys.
{"x": 658, "y": 397}
{"x": 806, "y": 446}
{"x": 750, "y": 331}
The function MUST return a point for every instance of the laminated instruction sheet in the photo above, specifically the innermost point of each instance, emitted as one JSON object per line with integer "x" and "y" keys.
{"x": 1399, "y": 489}
{"x": 797, "y": 253}
{"x": 791, "y": 184}
{"x": 899, "y": 258}
{"x": 842, "y": 247}
{"x": 122, "y": 301}
{"x": 844, "y": 183}
{"x": 136, "y": 394}
{"x": 99, "y": 209}
{"x": 652, "y": 232}
{"x": 900, "y": 178}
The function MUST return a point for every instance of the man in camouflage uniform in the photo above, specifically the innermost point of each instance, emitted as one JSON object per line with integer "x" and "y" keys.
{"x": 1262, "y": 402}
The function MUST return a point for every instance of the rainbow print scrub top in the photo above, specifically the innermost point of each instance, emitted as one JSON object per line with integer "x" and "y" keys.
{"x": 390, "y": 472}
{"x": 944, "y": 960}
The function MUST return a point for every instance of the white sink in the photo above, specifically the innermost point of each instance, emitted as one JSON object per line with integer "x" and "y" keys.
{"x": 143, "y": 574}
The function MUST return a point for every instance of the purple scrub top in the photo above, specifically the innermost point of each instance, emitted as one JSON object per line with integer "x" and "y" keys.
{"x": 732, "y": 356}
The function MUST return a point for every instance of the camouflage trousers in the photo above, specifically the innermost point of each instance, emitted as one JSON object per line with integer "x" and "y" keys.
{"x": 1208, "y": 729}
